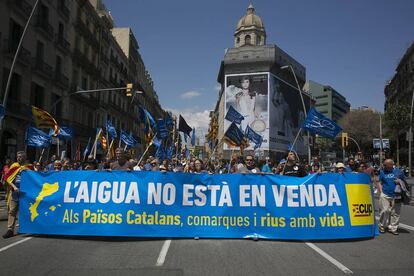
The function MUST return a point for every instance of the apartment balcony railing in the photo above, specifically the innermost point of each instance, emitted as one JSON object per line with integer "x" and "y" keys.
{"x": 10, "y": 49}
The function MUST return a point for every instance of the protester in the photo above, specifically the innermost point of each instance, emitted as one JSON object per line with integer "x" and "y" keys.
{"x": 250, "y": 164}
{"x": 340, "y": 167}
{"x": 13, "y": 179}
{"x": 389, "y": 203}
{"x": 4, "y": 171}
{"x": 57, "y": 165}
{"x": 90, "y": 164}
{"x": 50, "y": 166}
{"x": 267, "y": 167}
{"x": 121, "y": 163}
{"x": 352, "y": 166}
{"x": 293, "y": 167}
{"x": 198, "y": 166}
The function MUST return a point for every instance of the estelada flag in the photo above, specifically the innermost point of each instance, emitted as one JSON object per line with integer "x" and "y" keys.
{"x": 43, "y": 119}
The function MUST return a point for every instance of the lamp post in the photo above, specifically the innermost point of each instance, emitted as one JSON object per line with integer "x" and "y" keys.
{"x": 303, "y": 105}
{"x": 410, "y": 135}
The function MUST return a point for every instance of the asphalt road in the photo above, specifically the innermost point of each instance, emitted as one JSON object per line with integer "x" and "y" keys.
{"x": 57, "y": 255}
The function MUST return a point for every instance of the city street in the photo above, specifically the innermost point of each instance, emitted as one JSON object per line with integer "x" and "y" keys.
{"x": 63, "y": 255}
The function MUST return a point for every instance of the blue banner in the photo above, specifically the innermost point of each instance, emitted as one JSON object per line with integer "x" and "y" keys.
{"x": 317, "y": 123}
{"x": 154, "y": 204}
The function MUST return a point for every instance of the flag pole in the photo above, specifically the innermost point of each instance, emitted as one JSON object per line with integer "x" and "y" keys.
{"x": 95, "y": 144}
{"x": 41, "y": 155}
{"x": 58, "y": 149}
{"x": 293, "y": 146}
{"x": 145, "y": 152}
{"x": 214, "y": 150}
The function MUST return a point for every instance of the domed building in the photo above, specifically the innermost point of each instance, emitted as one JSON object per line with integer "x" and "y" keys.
{"x": 250, "y": 30}
{"x": 254, "y": 82}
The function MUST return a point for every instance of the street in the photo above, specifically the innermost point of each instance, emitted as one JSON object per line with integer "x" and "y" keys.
{"x": 64, "y": 255}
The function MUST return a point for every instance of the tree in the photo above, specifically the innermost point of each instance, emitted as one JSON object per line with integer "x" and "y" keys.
{"x": 362, "y": 126}
{"x": 397, "y": 119}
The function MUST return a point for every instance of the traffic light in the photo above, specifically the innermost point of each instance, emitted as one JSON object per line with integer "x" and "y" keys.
{"x": 128, "y": 91}
{"x": 344, "y": 139}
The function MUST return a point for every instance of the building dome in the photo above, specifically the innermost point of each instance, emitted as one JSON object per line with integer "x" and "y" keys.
{"x": 250, "y": 30}
{"x": 250, "y": 20}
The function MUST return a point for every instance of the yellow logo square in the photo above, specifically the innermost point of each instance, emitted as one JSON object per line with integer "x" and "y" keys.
{"x": 361, "y": 209}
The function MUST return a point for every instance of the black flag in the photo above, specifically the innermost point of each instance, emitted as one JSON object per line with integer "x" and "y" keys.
{"x": 183, "y": 126}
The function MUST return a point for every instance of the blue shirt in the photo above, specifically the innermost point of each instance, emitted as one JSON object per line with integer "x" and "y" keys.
{"x": 266, "y": 168}
{"x": 16, "y": 182}
{"x": 387, "y": 180}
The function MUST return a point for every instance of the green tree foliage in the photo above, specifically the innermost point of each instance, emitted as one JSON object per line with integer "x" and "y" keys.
{"x": 363, "y": 126}
{"x": 397, "y": 120}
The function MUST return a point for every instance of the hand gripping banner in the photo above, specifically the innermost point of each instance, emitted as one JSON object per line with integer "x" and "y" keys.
{"x": 154, "y": 204}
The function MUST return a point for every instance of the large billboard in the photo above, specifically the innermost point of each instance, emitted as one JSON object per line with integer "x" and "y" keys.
{"x": 248, "y": 94}
{"x": 286, "y": 115}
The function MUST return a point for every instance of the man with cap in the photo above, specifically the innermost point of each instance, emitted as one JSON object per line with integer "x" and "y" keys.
{"x": 340, "y": 167}
{"x": 292, "y": 166}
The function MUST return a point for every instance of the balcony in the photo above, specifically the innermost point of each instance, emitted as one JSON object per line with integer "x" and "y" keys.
{"x": 85, "y": 63}
{"x": 42, "y": 68}
{"x": 63, "y": 10}
{"x": 10, "y": 49}
{"x": 61, "y": 80}
{"x": 45, "y": 28}
{"x": 62, "y": 43}
{"x": 81, "y": 27}
{"x": 21, "y": 6}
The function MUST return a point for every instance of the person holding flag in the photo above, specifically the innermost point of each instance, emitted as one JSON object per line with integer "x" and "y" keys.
{"x": 13, "y": 179}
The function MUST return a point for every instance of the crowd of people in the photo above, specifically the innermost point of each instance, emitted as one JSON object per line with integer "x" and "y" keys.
{"x": 391, "y": 184}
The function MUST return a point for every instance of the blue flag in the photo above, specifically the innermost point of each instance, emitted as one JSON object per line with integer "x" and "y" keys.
{"x": 317, "y": 123}
{"x": 170, "y": 152}
{"x": 148, "y": 120}
{"x": 37, "y": 138}
{"x": 128, "y": 139}
{"x": 234, "y": 136}
{"x": 2, "y": 111}
{"x": 169, "y": 121}
{"x": 156, "y": 142}
{"x": 186, "y": 152}
{"x": 162, "y": 128}
{"x": 193, "y": 138}
{"x": 110, "y": 129}
{"x": 234, "y": 116}
{"x": 86, "y": 151}
{"x": 253, "y": 136}
{"x": 65, "y": 133}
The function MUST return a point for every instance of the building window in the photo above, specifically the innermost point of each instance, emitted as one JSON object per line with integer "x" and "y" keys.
{"x": 15, "y": 34}
{"x": 40, "y": 50}
{"x": 238, "y": 40}
{"x": 258, "y": 40}
{"x": 37, "y": 95}
{"x": 247, "y": 39}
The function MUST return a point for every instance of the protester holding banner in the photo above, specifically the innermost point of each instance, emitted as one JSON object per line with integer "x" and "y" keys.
{"x": 293, "y": 167}
{"x": 121, "y": 163}
{"x": 390, "y": 206}
{"x": 13, "y": 179}
{"x": 251, "y": 165}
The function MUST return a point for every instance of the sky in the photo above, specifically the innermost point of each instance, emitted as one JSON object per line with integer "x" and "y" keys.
{"x": 352, "y": 45}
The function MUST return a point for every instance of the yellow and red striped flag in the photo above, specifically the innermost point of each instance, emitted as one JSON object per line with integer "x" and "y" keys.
{"x": 43, "y": 119}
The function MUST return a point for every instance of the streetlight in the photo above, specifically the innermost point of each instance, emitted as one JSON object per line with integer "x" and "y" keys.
{"x": 303, "y": 103}
{"x": 128, "y": 93}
